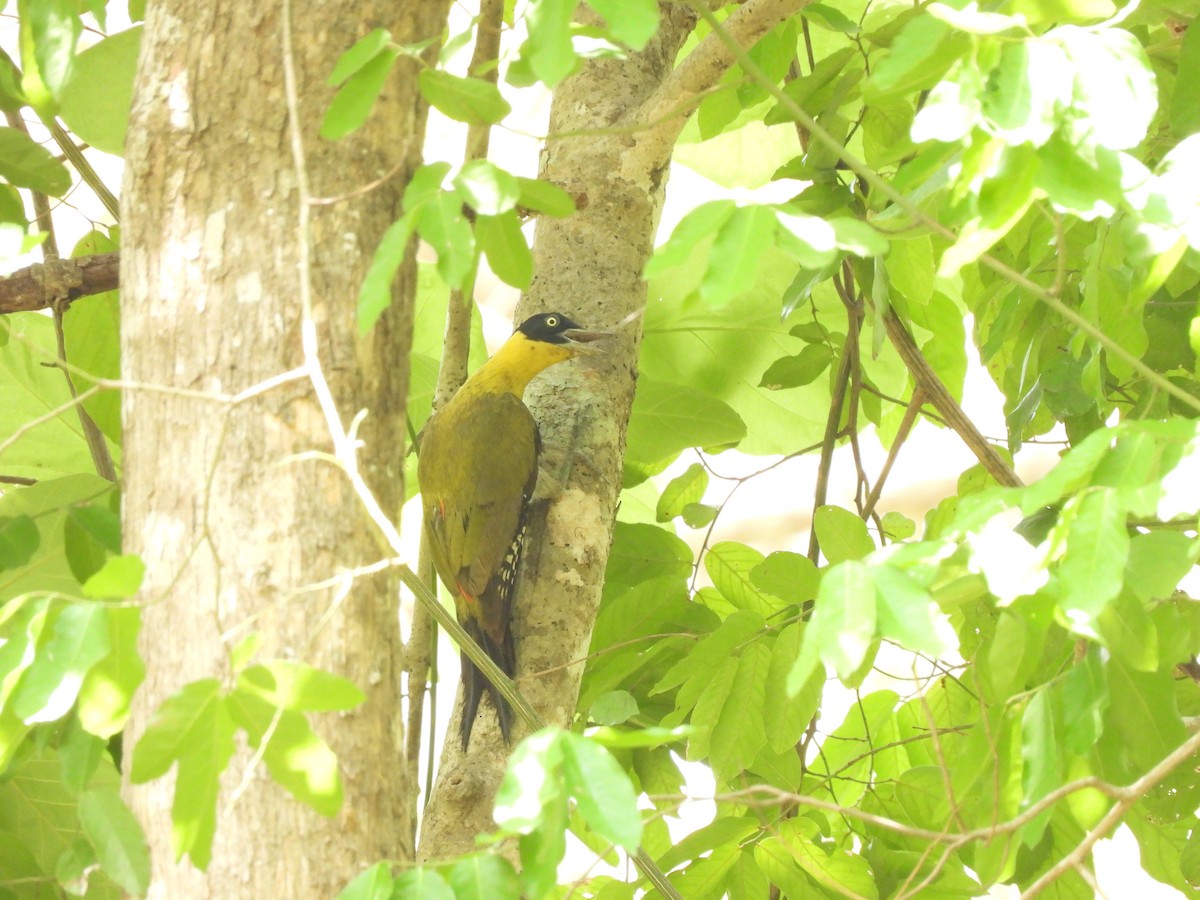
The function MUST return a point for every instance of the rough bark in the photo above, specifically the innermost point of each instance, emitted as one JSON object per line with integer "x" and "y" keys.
{"x": 589, "y": 267}
{"x": 231, "y": 524}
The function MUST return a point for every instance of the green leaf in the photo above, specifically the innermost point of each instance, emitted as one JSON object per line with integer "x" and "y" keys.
{"x": 787, "y": 715}
{"x": 27, "y": 164}
{"x": 803, "y": 368}
{"x": 12, "y": 98}
{"x": 953, "y": 110}
{"x": 19, "y": 539}
{"x": 1184, "y": 111}
{"x": 117, "y": 838}
{"x": 375, "y": 295}
{"x": 830, "y": 17}
{"x": 353, "y": 102}
{"x": 484, "y": 877}
{"x": 80, "y": 754}
{"x": 120, "y": 576}
{"x": 37, "y": 816}
{"x": 51, "y": 684}
{"x": 682, "y": 490}
{"x": 692, "y": 672}
{"x": 96, "y": 99}
{"x": 1097, "y": 547}
{"x": 364, "y": 50}
{"x": 443, "y": 225}
{"x": 470, "y": 100}
{"x": 778, "y": 862}
{"x": 632, "y": 22}
{"x": 1084, "y": 698}
{"x": 668, "y": 418}
{"x": 909, "y": 616}
{"x": 1115, "y": 96}
{"x": 921, "y": 54}
{"x": 500, "y": 238}
{"x": 739, "y": 244}
{"x": 100, "y": 522}
{"x": 297, "y": 759}
{"x": 191, "y": 727}
{"x": 842, "y": 534}
{"x": 544, "y": 197}
{"x": 296, "y": 685}
{"x": 788, "y": 576}
{"x": 54, "y": 29}
{"x": 649, "y": 738}
{"x": 644, "y": 552}
{"x": 1028, "y": 91}
{"x": 698, "y": 515}
{"x": 843, "y": 622}
{"x": 1042, "y": 764}
{"x": 701, "y": 222}
{"x": 532, "y": 784}
{"x": 601, "y": 790}
{"x": 418, "y": 884}
{"x": 897, "y": 526}
{"x": 108, "y": 687}
{"x": 375, "y": 883}
{"x": 858, "y": 237}
{"x": 971, "y": 20}
{"x": 1127, "y": 630}
{"x": 739, "y": 733}
{"x": 1142, "y": 714}
{"x": 729, "y": 564}
{"x": 613, "y": 708}
{"x": 711, "y": 695}
{"x": 548, "y": 49}
{"x": 487, "y": 188}
{"x": 85, "y": 555}
{"x": 1157, "y": 562}
{"x": 841, "y": 871}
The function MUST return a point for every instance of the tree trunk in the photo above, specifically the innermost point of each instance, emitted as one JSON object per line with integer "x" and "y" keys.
{"x": 235, "y": 528}
{"x": 589, "y": 267}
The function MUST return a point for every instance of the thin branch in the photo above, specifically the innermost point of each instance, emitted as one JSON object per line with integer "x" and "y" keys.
{"x": 838, "y": 401}
{"x": 41, "y": 285}
{"x": 928, "y": 381}
{"x": 906, "y": 424}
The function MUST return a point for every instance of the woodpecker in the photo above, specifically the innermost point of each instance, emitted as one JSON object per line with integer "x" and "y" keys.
{"x": 477, "y": 468}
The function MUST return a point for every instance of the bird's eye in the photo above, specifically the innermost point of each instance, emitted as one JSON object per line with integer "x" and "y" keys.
{"x": 551, "y": 321}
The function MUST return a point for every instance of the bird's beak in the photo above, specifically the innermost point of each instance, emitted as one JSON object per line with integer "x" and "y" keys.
{"x": 581, "y": 340}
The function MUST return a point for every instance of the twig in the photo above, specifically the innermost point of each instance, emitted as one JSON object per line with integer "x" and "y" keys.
{"x": 837, "y": 402}
{"x": 906, "y": 424}
{"x": 945, "y": 403}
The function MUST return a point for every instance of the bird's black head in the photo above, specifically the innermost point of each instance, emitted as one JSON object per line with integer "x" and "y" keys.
{"x": 548, "y": 327}
{"x": 555, "y": 328}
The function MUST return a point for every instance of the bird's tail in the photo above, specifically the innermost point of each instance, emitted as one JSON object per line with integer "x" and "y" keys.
{"x": 474, "y": 681}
